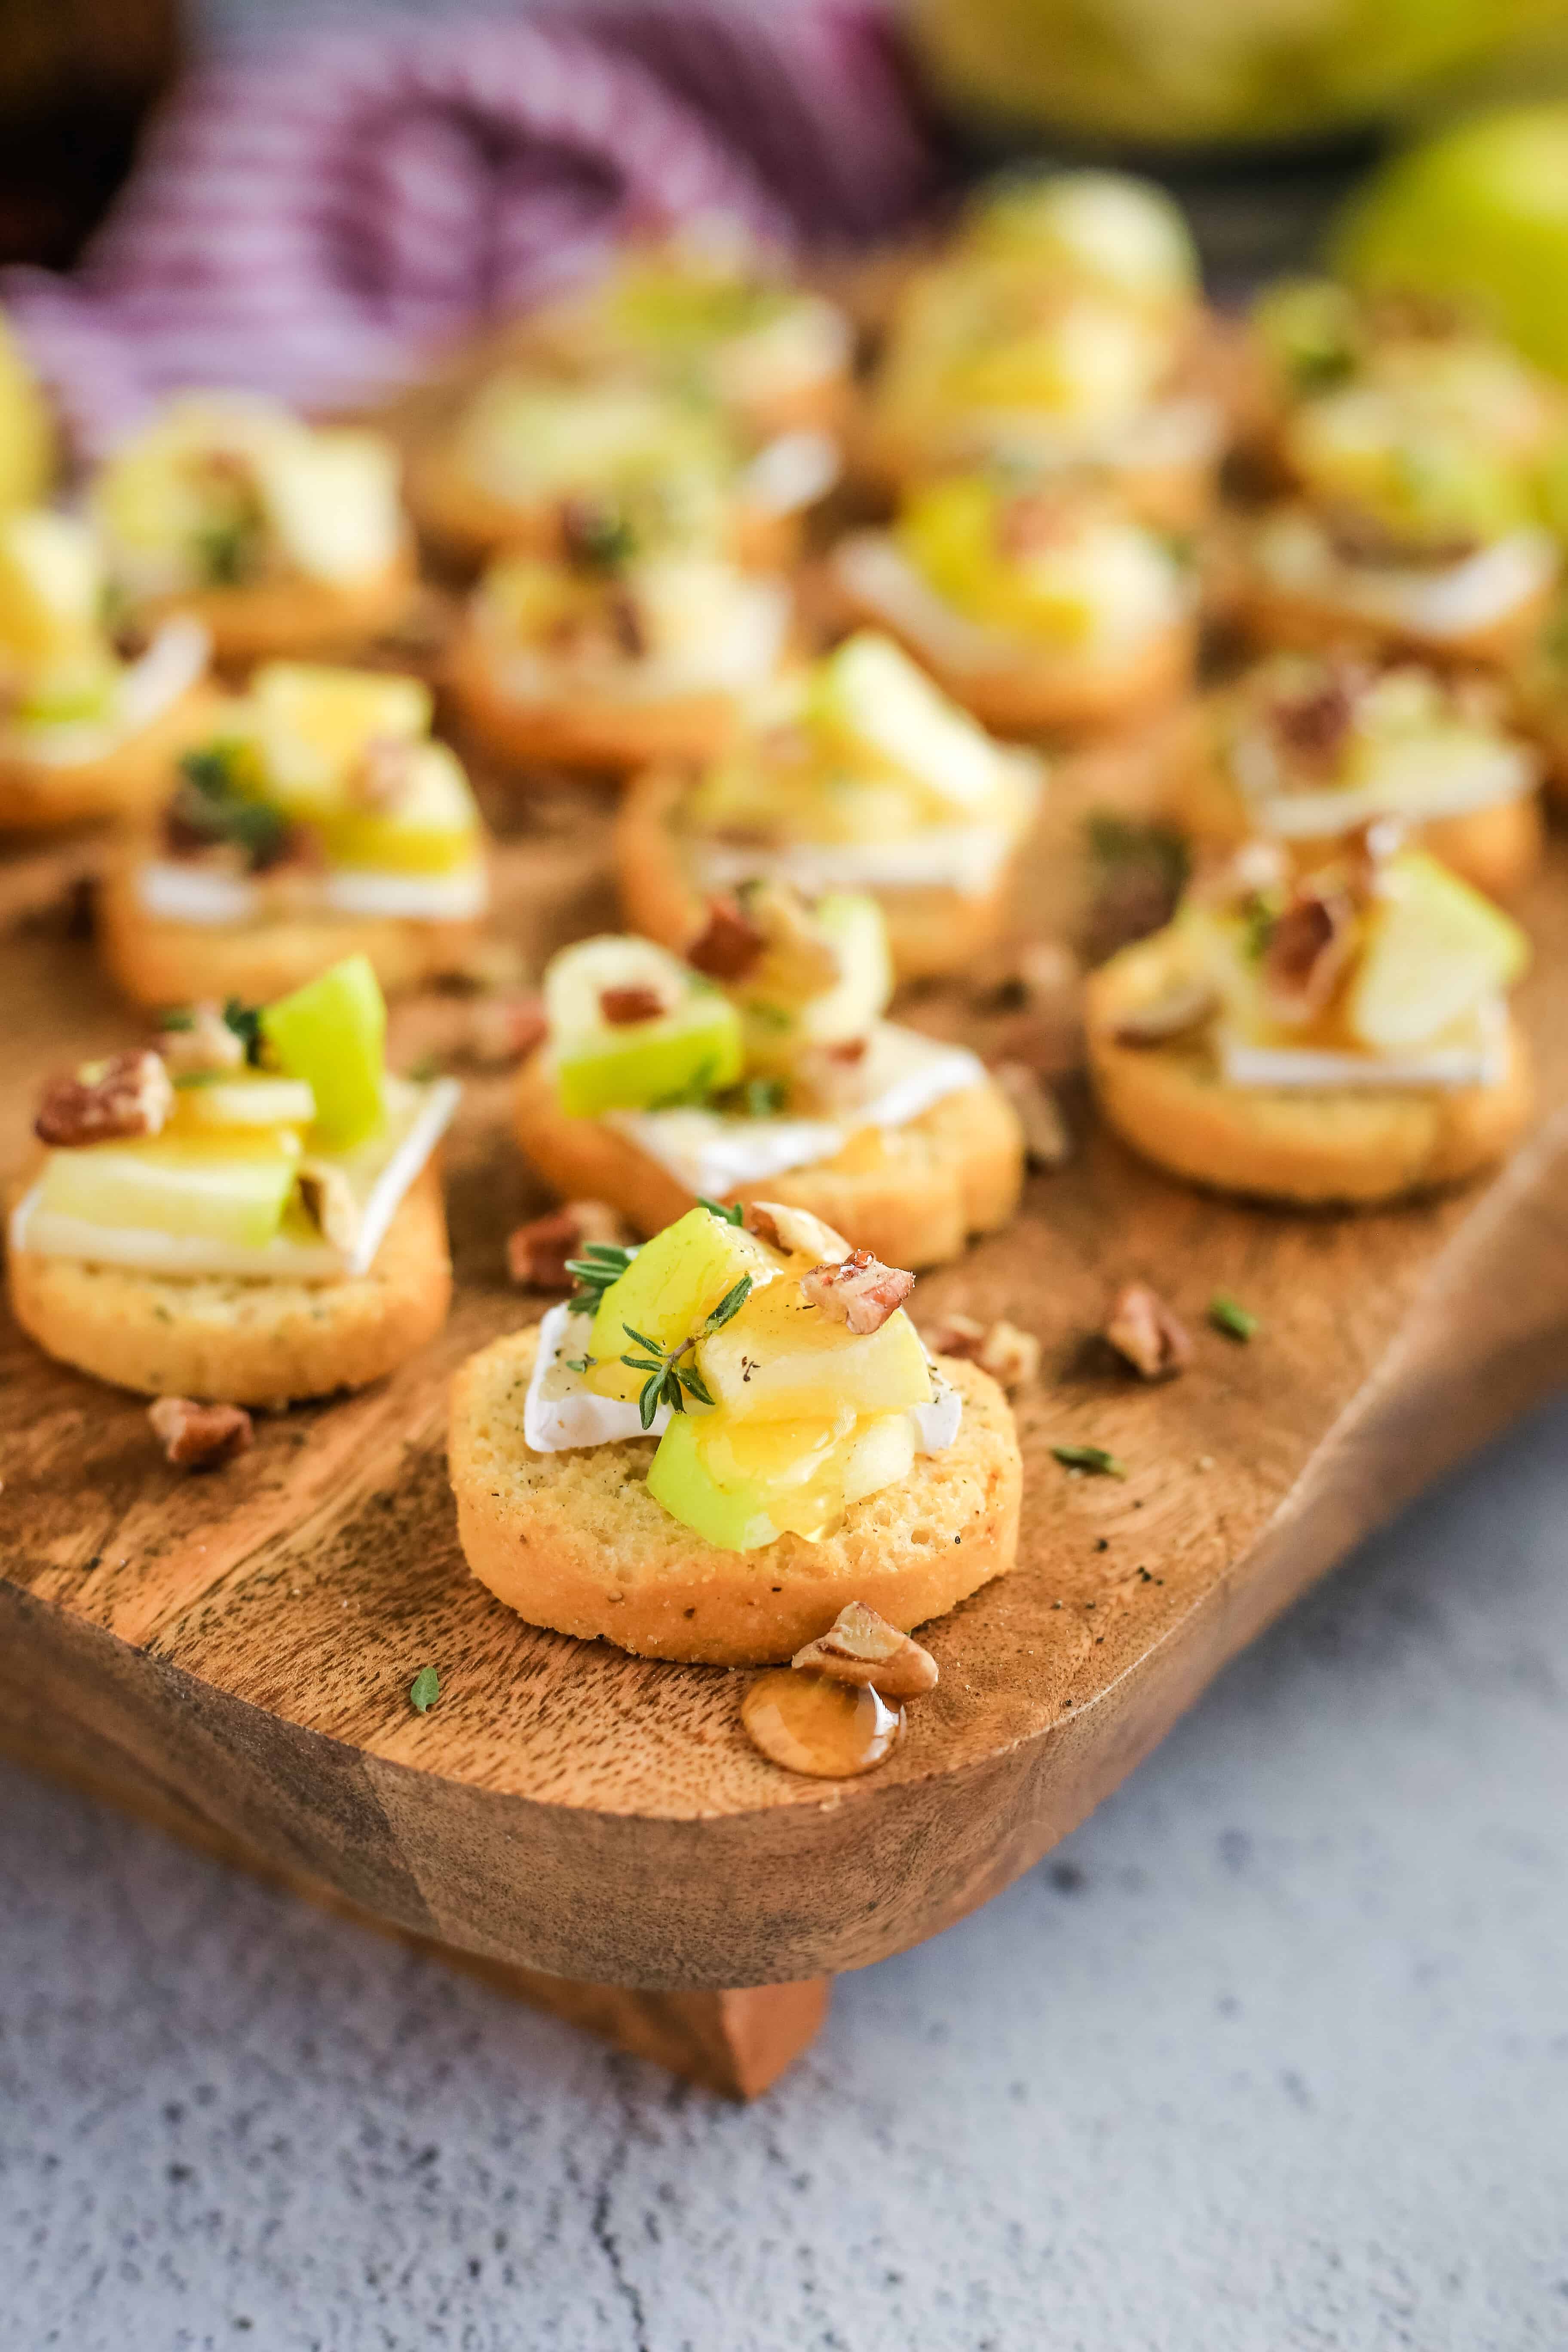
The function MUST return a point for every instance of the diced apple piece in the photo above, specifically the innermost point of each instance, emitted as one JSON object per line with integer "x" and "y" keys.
{"x": 690, "y": 1045}
{"x": 881, "y": 1454}
{"x": 333, "y": 1034}
{"x": 316, "y": 722}
{"x": 1125, "y": 233}
{"x": 432, "y": 826}
{"x": 1434, "y": 950}
{"x": 220, "y": 1192}
{"x": 780, "y": 1358}
{"x": 672, "y": 1285}
{"x": 870, "y": 696}
{"x": 245, "y": 1102}
{"x": 27, "y": 435}
{"x": 731, "y": 1518}
{"x": 855, "y": 928}
{"x": 332, "y": 500}
{"x": 51, "y": 587}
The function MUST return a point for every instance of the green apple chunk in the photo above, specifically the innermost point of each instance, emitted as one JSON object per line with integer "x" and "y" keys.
{"x": 686, "y": 1050}
{"x": 333, "y": 1034}
{"x": 1434, "y": 950}
{"x": 874, "y": 700}
{"x": 672, "y": 1285}
{"x": 780, "y": 1358}
{"x": 730, "y": 1517}
{"x": 228, "y": 1192}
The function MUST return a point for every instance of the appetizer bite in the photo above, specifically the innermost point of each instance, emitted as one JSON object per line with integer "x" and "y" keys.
{"x": 314, "y": 818}
{"x": 1307, "y": 748}
{"x": 852, "y": 775}
{"x": 1538, "y": 691}
{"x": 86, "y": 731}
{"x": 708, "y": 310}
{"x": 762, "y": 1065}
{"x": 27, "y": 429}
{"x": 724, "y": 1437}
{"x": 1332, "y": 1034}
{"x": 1412, "y": 453}
{"x": 1062, "y": 330}
{"x": 1043, "y": 609}
{"x": 618, "y": 651}
{"x": 281, "y": 537}
{"x": 530, "y": 452}
{"x": 249, "y": 1215}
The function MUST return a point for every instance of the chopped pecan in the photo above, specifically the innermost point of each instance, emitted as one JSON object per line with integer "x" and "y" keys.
{"x": 536, "y": 1254}
{"x": 796, "y": 1232}
{"x": 127, "y": 1095}
{"x": 1177, "y": 1011}
{"x": 627, "y": 627}
{"x": 1037, "y": 521}
{"x": 329, "y": 1202}
{"x": 1143, "y": 1332}
{"x": 385, "y": 774}
{"x": 956, "y": 1335}
{"x": 593, "y": 534}
{"x": 1308, "y": 948}
{"x": 1313, "y": 725}
{"x": 505, "y": 1028}
{"x": 202, "y": 1041}
{"x": 861, "y": 1647}
{"x": 621, "y": 1006}
{"x": 728, "y": 945}
{"x": 797, "y": 962}
{"x": 1012, "y": 1357}
{"x": 200, "y": 1436}
{"x": 858, "y": 1290}
{"x": 1046, "y": 1143}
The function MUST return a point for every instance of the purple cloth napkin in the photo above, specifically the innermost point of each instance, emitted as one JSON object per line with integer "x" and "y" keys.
{"x": 314, "y": 223}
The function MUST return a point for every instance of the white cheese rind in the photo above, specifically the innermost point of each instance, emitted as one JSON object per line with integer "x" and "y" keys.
{"x": 1419, "y": 789}
{"x": 713, "y": 1154}
{"x": 966, "y": 858}
{"x": 178, "y": 893}
{"x": 562, "y": 1414}
{"x": 743, "y": 652}
{"x": 380, "y": 1172}
{"x": 792, "y": 471}
{"x": 1474, "y": 1052}
{"x": 153, "y": 683}
{"x": 1436, "y": 601}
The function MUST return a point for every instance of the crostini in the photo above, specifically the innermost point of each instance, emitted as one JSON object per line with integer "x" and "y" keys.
{"x": 1337, "y": 1034}
{"x": 314, "y": 819}
{"x": 1307, "y": 748}
{"x": 721, "y": 1439}
{"x": 249, "y": 1213}
{"x": 1062, "y": 329}
{"x": 762, "y": 1066}
{"x": 87, "y": 730}
{"x": 1408, "y": 454}
{"x": 854, "y": 774}
{"x": 281, "y": 536}
{"x": 1044, "y": 611}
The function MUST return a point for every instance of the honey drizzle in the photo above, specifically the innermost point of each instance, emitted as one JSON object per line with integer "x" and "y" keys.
{"x": 813, "y": 1725}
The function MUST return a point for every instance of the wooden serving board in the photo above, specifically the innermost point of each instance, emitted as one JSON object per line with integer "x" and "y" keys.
{"x": 232, "y": 1654}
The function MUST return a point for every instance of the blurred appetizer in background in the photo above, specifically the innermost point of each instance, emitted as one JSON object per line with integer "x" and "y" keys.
{"x": 531, "y": 452}
{"x": 27, "y": 452}
{"x": 249, "y": 1213}
{"x": 1061, "y": 329}
{"x": 853, "y": 774}
{"x": 283, "y": 538}
{"x": 762, "y": 1065}
{"x": 1334, "y": 1032}
{"x": 706, "y": 311}
{"x": 86, "y": 729}
{"x": 1041, "y": 610}
{"x": 1307, "y": 748}
{"x": 620, "y": 649}
{"x": 314, "y": 818}
{"x": 724, "y": 1437}
{"x": 1414, "y": 455}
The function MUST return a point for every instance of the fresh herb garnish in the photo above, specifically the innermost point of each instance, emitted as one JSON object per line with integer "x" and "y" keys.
{"x": 216, "y": 805}
{"x": 244, "y": 1020}
{"x": 225, "y": 551}
{"x": 695, "y": 1094}
{"x": 763, "y": 1098}
{"x": 769, "y": 1016}
{"x": 1258, "y": 920}
{"x": 669, "y": 1381}
{"x": 601, "y": 1263}
{"x": 731, "y": 1216}
{"x": 425, "y": 1690}
{"x": 576, "y": 1363}
{"x": 426, "y": 1067}
{"x": 1092, "y": 1458}
{"x": 1228, "y": 1315}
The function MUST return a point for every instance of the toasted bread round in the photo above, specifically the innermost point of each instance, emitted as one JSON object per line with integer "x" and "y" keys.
{"x": 576, "y": 1541}
{"x": 909, "y": 1194}
{"x": 229, "y": 1341}
{"x": 470, "y": 522}
{"x": 569, "y": 731}
{"x": 1315, "y": 1148}
{"x": 126, "y": 782}
{"x": 1497, "y": 849}
{"x": 157, "y": 962}
{"x": 1300, "y": 620}
{"x": 266, "y": 620}
{"x": 931, "y": 930}
{"x": 888, "y": 458}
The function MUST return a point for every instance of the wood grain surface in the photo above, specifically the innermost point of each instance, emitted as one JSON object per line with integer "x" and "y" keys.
{"x": 236, "y": 1650}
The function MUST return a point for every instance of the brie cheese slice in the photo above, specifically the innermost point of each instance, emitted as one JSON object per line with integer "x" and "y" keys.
{"x": 1473, "y": 1053}
{"x": 176, "y": 892}
{"x": 967, "y": 858}
{"x": 379, "y": 1172}
{"x": 1436, "y": 601}
{"x": 1447, "y": 773}
{"x": 172, "y": 665}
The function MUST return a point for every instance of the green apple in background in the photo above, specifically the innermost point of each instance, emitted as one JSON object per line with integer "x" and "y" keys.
{"x": 1478, "y": 214}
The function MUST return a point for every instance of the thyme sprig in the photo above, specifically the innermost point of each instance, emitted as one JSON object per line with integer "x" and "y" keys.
{"x": 669, "y": 1381}
{"x": 601, "y": 1263}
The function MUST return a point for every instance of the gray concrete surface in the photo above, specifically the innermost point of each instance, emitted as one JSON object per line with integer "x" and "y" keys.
{"x": 1274, "y": 2054}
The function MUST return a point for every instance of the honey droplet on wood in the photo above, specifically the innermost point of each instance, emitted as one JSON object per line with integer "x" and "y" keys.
{"x": 830, "y": 1730}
